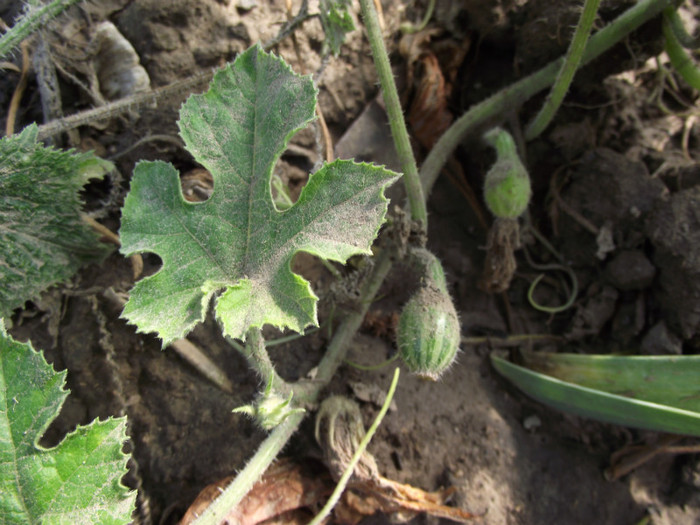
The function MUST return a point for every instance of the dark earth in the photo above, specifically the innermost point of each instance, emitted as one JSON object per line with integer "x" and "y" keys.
{"x": 616, "y": 181}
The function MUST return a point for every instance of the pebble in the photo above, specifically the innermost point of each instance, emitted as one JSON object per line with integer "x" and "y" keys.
{"x": 630, "y": 270}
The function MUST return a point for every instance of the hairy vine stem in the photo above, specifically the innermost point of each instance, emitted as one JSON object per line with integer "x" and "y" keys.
{"x": 676, "y": 25}
{"x": 32, "y": 20}
{"x": 416, "y": 200}
{"x": 567, "y": 71}
{"x": 175, "y": 89}
{"x": 517, "y": 93}
{"x": 246, "y": 478}
{"x": 680, "y": 59}
{"x": 307, "y": 392}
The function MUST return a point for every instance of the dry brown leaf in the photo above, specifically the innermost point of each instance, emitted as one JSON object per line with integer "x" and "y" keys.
{"x": 500, "y": 264}
{"x": 285, "y": 487}
{"x": 289, "y": 493}
{"x": 400, "y": 502}
{"x": 429, "y": 116}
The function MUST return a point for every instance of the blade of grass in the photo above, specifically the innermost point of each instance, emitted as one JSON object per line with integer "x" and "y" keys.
{"x": 342, "y": 483}
{"x": 666, "y": 380}
{"x": 596, "y": 404}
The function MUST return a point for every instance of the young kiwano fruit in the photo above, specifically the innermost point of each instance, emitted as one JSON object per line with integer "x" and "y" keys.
{"x": 428, "y": 267}
{"x": 507, "y": 185}
{"x": 507, "y": 194}
{"x": 428, "y": 334}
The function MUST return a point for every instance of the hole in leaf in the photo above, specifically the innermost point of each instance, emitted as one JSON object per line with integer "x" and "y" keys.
{"x": 197, "y": 185}
{"x": 151, "y": 264}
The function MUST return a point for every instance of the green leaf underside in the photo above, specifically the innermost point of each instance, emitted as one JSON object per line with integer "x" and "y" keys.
{"x": 237, "y": 241}
{"x": 77, "y": 481}
{"x": 42, "y": 237}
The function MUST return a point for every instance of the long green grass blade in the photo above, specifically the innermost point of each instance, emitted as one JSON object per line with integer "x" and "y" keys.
{"x": 666, "y": 380}
{"x": 614, "y": 408}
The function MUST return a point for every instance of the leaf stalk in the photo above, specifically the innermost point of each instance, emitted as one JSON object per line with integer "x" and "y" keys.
{"x": 259, "y": 360}
{"x": 416, "y": 199}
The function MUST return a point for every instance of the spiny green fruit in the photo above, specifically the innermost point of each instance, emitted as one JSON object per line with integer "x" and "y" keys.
{"x": 507, "y": 186}
{"x": 428, "y": 267}
{"x": 428, "y": 334}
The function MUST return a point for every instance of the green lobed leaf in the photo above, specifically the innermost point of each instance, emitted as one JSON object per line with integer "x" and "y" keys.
{"x": 238, "y": 242}
{"x": 336, "y": 22}
{"x": 77, "y": 481}
{"x": 42, "y": 237}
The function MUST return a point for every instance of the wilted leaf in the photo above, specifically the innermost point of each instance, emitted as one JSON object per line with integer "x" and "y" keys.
{"x": 42, "y": 237}
{"x": 76, "y": 482}
{"x": 336, "y": 22}
{"x": 237, "y": 241}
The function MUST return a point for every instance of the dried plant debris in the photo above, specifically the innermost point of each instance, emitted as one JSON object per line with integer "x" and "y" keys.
{"x": 118, "y": 68}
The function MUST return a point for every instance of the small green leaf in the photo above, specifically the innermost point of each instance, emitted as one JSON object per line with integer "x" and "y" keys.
{"x": 613, "y": 395}
{"x": 76, "y": 482}
{"x": 336, "y": 22}
{"x": 238, "y": 242}
{"x": 42, "y": 237}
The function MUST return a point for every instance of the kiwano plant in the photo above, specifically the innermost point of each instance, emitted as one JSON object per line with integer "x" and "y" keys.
{"x": 233, "y": 253}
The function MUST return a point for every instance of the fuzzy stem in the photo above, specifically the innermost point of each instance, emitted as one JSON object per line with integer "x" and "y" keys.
{"x": 118, "y": 107}
{"x": 502, "y": 142}
{"x": 251, "y": 473}
{"x": 337, "y": 349}
{"x": 416, "y": 200}
{"x": 676, "y": 25}
{"x": 680, "y": 59}
{"x": 259, "y": 360}
{"x": 567, "y": 71}
{"x": 30, "y": 22}
{"x": 517, "y": 93}
{"x": 167, "y": 92}
{"x": 343, "y": 481}
{"x": 273, "y": 444}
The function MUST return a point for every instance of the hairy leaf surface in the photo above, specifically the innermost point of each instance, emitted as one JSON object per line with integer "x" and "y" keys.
{"x": 76, "y": 482}
{"x": 42, "y": 237}
{"x": 237, "y": 242}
